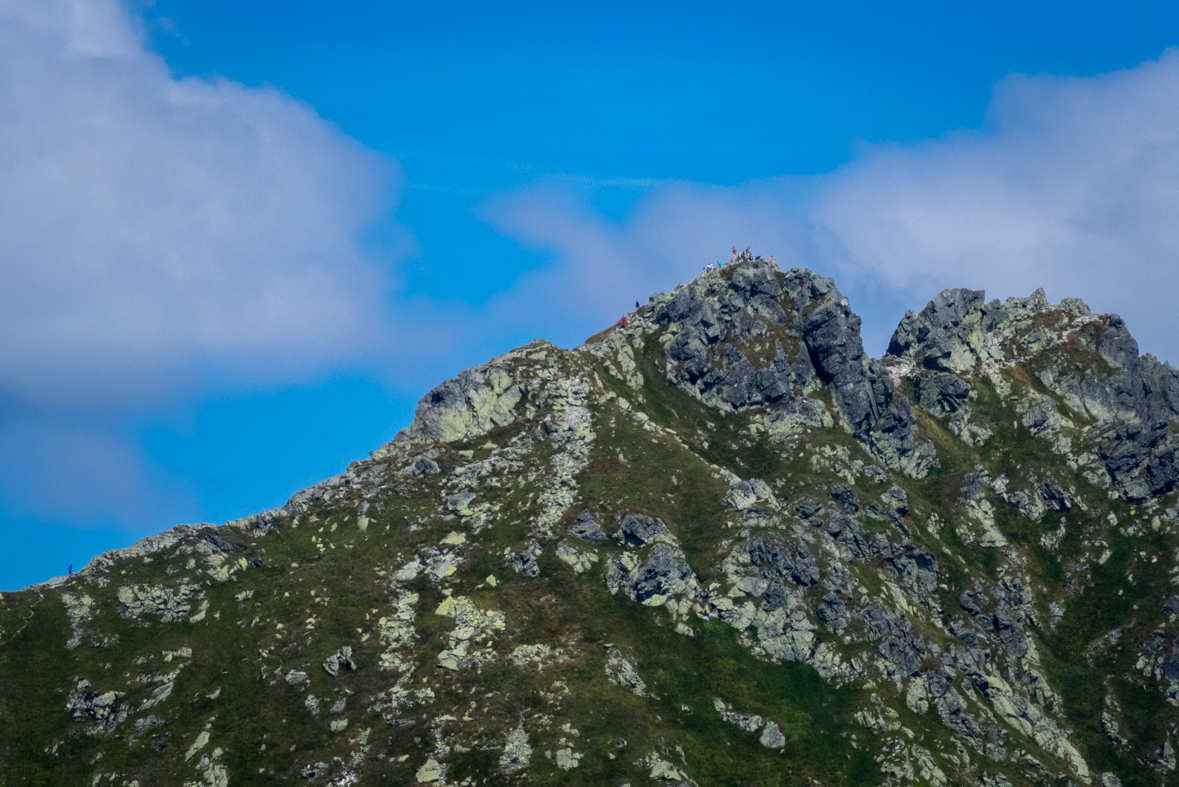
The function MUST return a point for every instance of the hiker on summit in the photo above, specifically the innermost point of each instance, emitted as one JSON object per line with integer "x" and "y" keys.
{"x": 624, "y": 321}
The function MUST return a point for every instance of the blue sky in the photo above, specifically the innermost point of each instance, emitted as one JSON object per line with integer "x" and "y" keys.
{"x": 243, "y": 239}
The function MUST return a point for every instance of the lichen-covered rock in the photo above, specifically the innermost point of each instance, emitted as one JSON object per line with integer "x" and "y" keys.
{"x": 517, "y": 753}
{"x": 170, "y": 604}
{"x": 621, "y": 672}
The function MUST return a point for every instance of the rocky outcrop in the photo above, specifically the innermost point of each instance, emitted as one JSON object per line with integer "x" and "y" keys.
{"x": 1101, "y": 391}
{"x": 764, "y": 339}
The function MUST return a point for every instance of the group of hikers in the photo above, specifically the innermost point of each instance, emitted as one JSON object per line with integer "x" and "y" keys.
{"x": 738, "y": 256}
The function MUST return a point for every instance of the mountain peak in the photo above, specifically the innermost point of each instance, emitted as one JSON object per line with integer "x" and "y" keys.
{"x": 716, "y": 543}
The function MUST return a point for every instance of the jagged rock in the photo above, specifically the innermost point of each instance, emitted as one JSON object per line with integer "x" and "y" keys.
{"x": 1109, "y": 726}
{"x": 637, "y": 531}
{"x": 895, "y": 498}
{"x": 469, "y": 405}
{"x": 1011, "y": 632}
{"x": 579, "y": 560}
{"x": 586, "y": 529}
{"x": 833, "y": 612}
{"x": 340, "y": 660}
{"x": 748, "y": 494}
{"x": 316, "y": 769}
{"x": 424, "y": 466}
{"x": 102, "y": 707}
{"x": 621, "y": 672}
{"x": 784, "y": 561}
{"x": 653, "y": 582}
{"x": 771, "y": 737}
{"x": 1164, "y": 757}
{"x": 149, "y": 722}
{"x": 941, "y": 394}
{"x": 946, "y": 335}
{"x": 846, "y": 496}
{"x": 524, "y": 563}
{"x": 660, "y": 769}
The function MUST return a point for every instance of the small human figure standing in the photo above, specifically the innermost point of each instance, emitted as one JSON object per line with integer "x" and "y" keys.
{"x": 624, "y": 321}
{"x": 71, "y": 569}
{"x": 637, "y": 305}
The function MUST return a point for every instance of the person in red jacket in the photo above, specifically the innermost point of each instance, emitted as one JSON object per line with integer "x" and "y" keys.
{"x": 624, "y": 321}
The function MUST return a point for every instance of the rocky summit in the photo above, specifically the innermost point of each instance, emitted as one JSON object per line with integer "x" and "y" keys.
{"x": 718, "y": 546}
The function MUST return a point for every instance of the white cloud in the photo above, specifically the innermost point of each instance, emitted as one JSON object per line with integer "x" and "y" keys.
{"x": 1073, "y": 185}
{"x": 153, "y": 228}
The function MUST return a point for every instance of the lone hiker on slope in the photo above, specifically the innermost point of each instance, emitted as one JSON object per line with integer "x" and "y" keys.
{"x": 624, "y": 321}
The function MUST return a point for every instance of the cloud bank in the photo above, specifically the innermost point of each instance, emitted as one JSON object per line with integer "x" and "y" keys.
{"x": 152, "y": 226}
{"x": 1072, "y": 185}
{"x": 157, "y": 236}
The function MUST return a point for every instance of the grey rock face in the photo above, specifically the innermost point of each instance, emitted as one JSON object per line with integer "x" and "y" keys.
{"x": 424, "y": 466}
{"x": 784, "y": 561}
{"x": 665, "y": 573}
{"x": 340, "y": 660}
{"x": 1011, "y": 632}
{"x": 100, "y": 706}
{"x": 833, "y": 612}
{"x": 767, "y": 339}
{"x": 524, "y": 563}
{"x": 846, "y": 496}
{"x": 1131, "y": 398}
{"x": 586, "y": 529}
{"x": 636, "y": 531}
{"x": 941, "y": 394}
{"x": 934, "y": 338}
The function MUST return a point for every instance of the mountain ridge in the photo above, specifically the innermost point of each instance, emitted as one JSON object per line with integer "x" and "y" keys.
{"x": 819, "y": 567}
